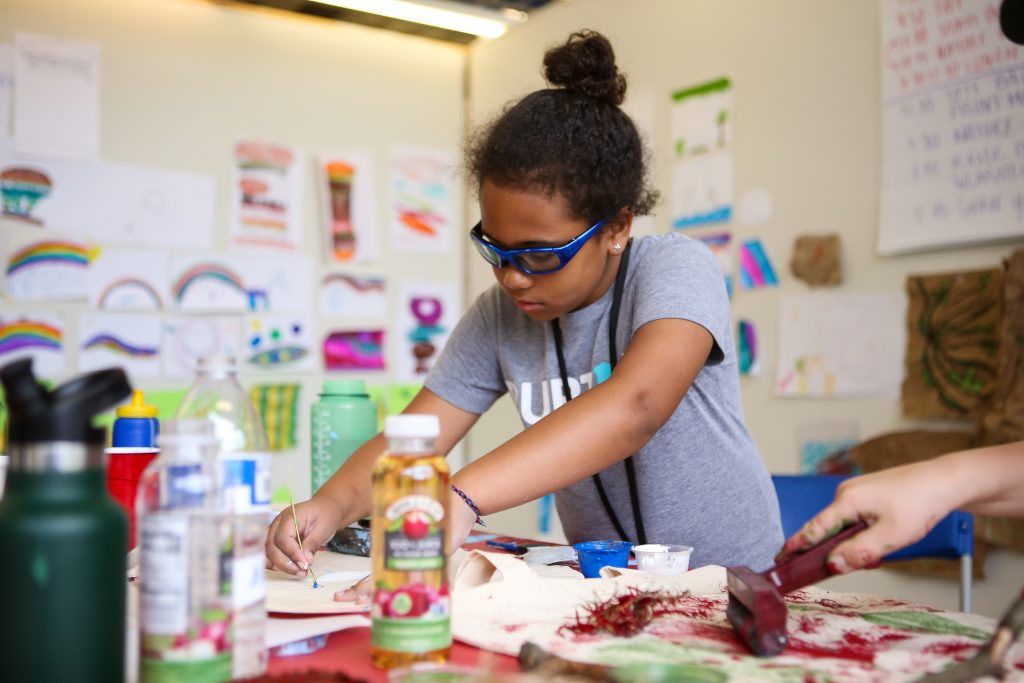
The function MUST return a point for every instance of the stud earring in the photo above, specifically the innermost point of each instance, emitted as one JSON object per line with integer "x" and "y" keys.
{"x": 617, "y": 247}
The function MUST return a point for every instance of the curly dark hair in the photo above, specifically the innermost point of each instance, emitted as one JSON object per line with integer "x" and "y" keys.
{"x": 572, "y": 139}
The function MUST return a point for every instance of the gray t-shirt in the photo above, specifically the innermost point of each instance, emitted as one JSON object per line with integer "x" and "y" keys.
{"x": 700, "y": 478}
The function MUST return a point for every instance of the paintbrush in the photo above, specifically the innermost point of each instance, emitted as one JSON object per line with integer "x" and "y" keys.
{"x": 298, "y": 539}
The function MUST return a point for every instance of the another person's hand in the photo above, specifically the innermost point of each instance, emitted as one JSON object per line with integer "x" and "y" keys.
{"x": 460, "y": 523}
{"x": 900, "y": 505}
{"x": 318, "y": 519}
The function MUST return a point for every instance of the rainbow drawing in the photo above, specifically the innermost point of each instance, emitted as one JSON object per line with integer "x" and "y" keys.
{"x": 118, "y": 346}
{"x": 130, "y": 282}
{"x": 29, "y": 334}
{"x": 206, "y": 271}
{"x": 356, "y": 282}
{"x": 50, "y": 252}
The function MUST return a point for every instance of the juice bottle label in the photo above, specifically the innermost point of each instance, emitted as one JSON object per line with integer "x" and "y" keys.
{"x": 413, "y": 615}
{"x": 414, "y": 539}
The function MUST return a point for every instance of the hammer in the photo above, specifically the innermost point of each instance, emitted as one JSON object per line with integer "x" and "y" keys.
{"x": 757, "y": 609}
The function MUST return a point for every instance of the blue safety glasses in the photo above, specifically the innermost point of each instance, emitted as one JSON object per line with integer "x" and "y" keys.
{"x": 536, "y": 260}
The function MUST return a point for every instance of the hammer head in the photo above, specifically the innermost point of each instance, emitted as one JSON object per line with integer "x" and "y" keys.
{"x": 756, "y": 611}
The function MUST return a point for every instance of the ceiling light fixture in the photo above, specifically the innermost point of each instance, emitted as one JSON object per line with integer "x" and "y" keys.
{"x": 432, "y": 14}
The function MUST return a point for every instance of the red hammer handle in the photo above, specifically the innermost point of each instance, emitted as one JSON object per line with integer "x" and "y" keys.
{"x": 811, "y": 566}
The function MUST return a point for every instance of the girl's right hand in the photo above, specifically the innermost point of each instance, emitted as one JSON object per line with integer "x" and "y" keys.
{"x": 318, "y": 519}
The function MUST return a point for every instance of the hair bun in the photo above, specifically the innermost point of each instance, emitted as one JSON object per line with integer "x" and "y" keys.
{"x": 586, "y": 63}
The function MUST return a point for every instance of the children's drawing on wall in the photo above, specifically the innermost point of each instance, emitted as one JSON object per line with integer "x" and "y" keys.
{"x": 155, "y": 207}
{"x": 186, "y": 339}
{"x": 702, "y": 169}
{"x": 427, "y": 312}
{"x": 48, "y": 270}
{"x": 267, "y": 192}
{"x": 840, "y": 345}
{"x": 719, "y": 244}
{"x": 230, "y": 284}
{"x": 953, "y": 341}
{"x": 207, "y": 285}
{"x": 128, "y": 280}
{"x": 39, "y": 336}
{"x": 756, "y": 269}
{"x": 57, "y": 108}
{"x": 816, "y": 260}
{"x": 279, "y": 342}
{"x": 130, "y": 341}
{"x": 21, "y": 188}
{"x": 6, "y": 89}
{"x": 754, "y": 207}
{"x": 357, "y": 350}
{"x": 345, "y": 295}
{"x": 278, "y": 406}
{"x": 824, "y": 447}
{"x": 421, "y": 211}
{"x": 747, "y": 349}
{"x": 348, "y": 207}
{"x": 108, "y": 203}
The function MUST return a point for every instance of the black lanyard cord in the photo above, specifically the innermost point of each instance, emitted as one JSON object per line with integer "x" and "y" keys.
{"x": 613, "y": 323}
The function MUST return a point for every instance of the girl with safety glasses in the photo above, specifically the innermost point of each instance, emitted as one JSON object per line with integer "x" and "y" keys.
{"x": 617, "y": 353}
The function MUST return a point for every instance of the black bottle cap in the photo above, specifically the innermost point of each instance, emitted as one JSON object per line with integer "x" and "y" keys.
{"x": 64, "y": 414}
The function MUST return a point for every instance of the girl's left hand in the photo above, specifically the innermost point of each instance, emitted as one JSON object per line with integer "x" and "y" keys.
{"x": 460, "y": 524}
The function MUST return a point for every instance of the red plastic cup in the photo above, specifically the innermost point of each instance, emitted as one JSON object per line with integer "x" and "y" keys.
{"x": 124, "y": 471}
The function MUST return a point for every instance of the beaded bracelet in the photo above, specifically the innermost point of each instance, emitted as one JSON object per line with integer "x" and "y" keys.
{"x": 470, "y": 503}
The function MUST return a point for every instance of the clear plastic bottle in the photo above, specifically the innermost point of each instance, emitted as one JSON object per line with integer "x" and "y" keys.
{"x": 184, "y": 603}
{"x": 244, "y": 476}
{"x": 409, "y": 547}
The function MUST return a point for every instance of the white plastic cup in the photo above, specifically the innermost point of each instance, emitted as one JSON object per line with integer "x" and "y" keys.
{"x": 655, "y": 558}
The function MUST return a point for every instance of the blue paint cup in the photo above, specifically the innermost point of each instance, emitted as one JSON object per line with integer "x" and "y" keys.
{"x": 593, "y": 555}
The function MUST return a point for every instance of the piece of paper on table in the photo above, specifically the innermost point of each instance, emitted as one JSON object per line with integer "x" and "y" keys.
{"x": 284, "y": 631}
{"x": 57, "y": 110}
{"x": 834, "y": 345}
{"x": 287, "y": 594}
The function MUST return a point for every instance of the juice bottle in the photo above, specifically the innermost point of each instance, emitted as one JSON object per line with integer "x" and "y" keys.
{"x": 409, "y": 546}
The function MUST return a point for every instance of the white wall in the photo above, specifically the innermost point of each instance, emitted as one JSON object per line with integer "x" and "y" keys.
{"x": 183, "y": 80}
{"x": 807, "y": 111}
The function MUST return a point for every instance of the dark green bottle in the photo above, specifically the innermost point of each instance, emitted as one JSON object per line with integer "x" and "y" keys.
{"x": 62, "y": 575}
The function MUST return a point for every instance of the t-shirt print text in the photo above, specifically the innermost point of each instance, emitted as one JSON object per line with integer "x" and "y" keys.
{"x": 551, "y": 396}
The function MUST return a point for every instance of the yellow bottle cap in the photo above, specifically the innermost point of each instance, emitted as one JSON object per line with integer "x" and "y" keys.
{"x": 138, "y": 407}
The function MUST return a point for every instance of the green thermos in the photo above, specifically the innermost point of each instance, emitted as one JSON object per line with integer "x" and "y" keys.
{"x": 62, "y": 577}
{"x": 342, "y": 420}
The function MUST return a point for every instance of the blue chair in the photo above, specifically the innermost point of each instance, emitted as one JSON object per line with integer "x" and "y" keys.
{"x": 803, "y": 496}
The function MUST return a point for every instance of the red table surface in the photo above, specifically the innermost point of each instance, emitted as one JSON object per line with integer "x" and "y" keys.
{"x": 348, "y": 651}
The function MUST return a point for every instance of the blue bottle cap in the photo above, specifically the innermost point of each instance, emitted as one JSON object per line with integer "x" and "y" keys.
{"x": 135, "y": 432}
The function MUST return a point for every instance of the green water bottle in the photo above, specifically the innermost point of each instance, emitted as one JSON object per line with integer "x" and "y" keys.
{"x": 62, "y": 578}
{"x": 342, "y": 420}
